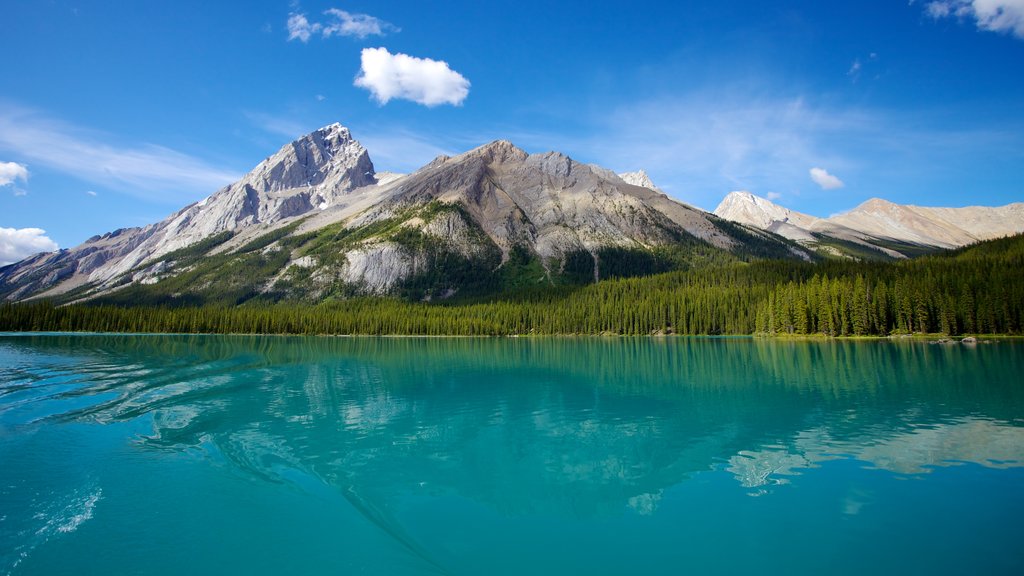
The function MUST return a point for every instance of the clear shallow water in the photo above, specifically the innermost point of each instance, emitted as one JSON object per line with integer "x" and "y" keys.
{"x": 266, "y": 455}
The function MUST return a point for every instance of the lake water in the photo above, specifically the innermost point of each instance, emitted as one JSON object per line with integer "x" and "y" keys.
{"x": 270, "y": 455}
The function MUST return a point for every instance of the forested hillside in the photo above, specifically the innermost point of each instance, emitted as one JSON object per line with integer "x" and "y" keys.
{"x": 978, "y": 289}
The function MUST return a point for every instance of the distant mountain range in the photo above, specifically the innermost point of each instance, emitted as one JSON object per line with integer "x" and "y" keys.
{"x": 877, "y": 228}
{"x": 315, "y": 221}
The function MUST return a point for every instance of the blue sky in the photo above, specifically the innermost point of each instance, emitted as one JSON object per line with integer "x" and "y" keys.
{"x": 115, "y": 114}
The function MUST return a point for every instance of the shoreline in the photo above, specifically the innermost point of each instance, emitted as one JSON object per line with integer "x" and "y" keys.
{"x": 933, "y": 338}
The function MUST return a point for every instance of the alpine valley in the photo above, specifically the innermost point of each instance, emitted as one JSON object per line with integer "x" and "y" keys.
{"x": 316, "y": 222}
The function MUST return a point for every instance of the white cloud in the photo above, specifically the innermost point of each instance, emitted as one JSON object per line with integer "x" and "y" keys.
{"x": 20, "y": 191}
{"x": 340, "y": 23}
{"x": 357, "y": 25}
{"x": 17, "y": 244}
{"x": 822, "y": 178}
{"x": 91, "y": 193}
{"x": 299, "y": 28}
{"x": 854, "y": 68}
{"x": 146, "y": 170}
{"x": 12, "y": 171}
{"x": 421, "y": 80}
{"x": 773, "y": 195}
{"x": 992, "y": 15}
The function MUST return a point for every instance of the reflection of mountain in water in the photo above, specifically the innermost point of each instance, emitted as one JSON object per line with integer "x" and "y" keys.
{"x": 969, "y": 439}
{"x": 579, "y": 427}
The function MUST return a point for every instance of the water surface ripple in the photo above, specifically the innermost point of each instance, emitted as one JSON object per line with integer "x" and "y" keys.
{"x": 163, "y": 454}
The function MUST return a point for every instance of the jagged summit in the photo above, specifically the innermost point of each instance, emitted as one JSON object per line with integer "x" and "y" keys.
{"x": 639, "y": 178}
{"x": 310, "y": 173}
{"x": 747, "y": 208}
{"x": 498, "y": 151}
{"x": 326, "y": 156}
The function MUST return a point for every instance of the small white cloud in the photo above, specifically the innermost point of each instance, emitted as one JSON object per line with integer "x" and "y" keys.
{"x": 299, "y": 28}
{"x": 17, "y": 244}
{"x": 11, "y": 172}
{"x": 854, "y": 68}
{"x": 146, "y": 170}
{"x": 827, "y": 181}
{"x": 357, "y": 25}
{"x": 773, "y": 195}
{"x": 91, "y": 193}
{"x": 992, "y": 15}
{"x": 340, "y": 23}
{"x": 320, "y": 97}
{"x": 421, "y": 80}
{"x": 20, "y": 191}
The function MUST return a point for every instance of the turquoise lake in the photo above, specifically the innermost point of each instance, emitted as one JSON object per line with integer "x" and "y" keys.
{"x": 142, "y": 454}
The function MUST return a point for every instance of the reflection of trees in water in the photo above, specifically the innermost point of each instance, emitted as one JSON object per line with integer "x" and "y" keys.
{"x": 575, "y": 426}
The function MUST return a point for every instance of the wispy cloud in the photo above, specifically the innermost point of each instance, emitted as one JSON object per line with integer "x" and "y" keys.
{"x": 428, "y": 82}
{"x": 300, "y": 28}
{"x": 699, "y": 146}
{"x": 356, "y": 25}
{"x": 277, "y": 125}
{"x": 773, "y": 195}
{"x": 402, "y": 150}
{"x": 822, "y": 178}
{"x": 19, "y": 243}
{"x": 338, "y": 23}
{"x": 91, "y": 193}
{"x": 10, "y": 172}
{"x": 146, "y": 170}
{"x": 993, "y": 15}
{"x": 709, "y": 143}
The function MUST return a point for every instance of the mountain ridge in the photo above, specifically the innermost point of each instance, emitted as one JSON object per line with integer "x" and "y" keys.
{"x": 895, "y": 230}
{"x": 326, "y": 224}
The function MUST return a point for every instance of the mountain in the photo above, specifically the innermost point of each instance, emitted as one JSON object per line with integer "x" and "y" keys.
{"x": 877, "y": 228}
{"x": 944, "y": 227}
{"x": 311, "y": 172}
{"x": 639, "y": 178}
{"x": 315, "y": 221}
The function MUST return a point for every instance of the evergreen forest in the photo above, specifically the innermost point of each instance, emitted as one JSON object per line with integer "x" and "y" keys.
{"x": 974, "y": 290}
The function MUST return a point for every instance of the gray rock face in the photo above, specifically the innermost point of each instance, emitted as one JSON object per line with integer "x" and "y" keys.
{"x": 309, "y": 174}
{"x": 554, "y": 204}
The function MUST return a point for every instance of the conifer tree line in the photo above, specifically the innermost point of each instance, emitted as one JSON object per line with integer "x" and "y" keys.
{"x": 974, "y": 290}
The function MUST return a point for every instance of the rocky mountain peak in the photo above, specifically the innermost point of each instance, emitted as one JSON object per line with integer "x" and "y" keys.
{"x": 309, "y": 174}
{"x": 875, "y": 204}
{"x": 747, "y": 208}
{"x": 499, "y": 151}
{"x": 741, "y": 202}
{"x": 639, "y": 178}
{"x": 329, "y": 153}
